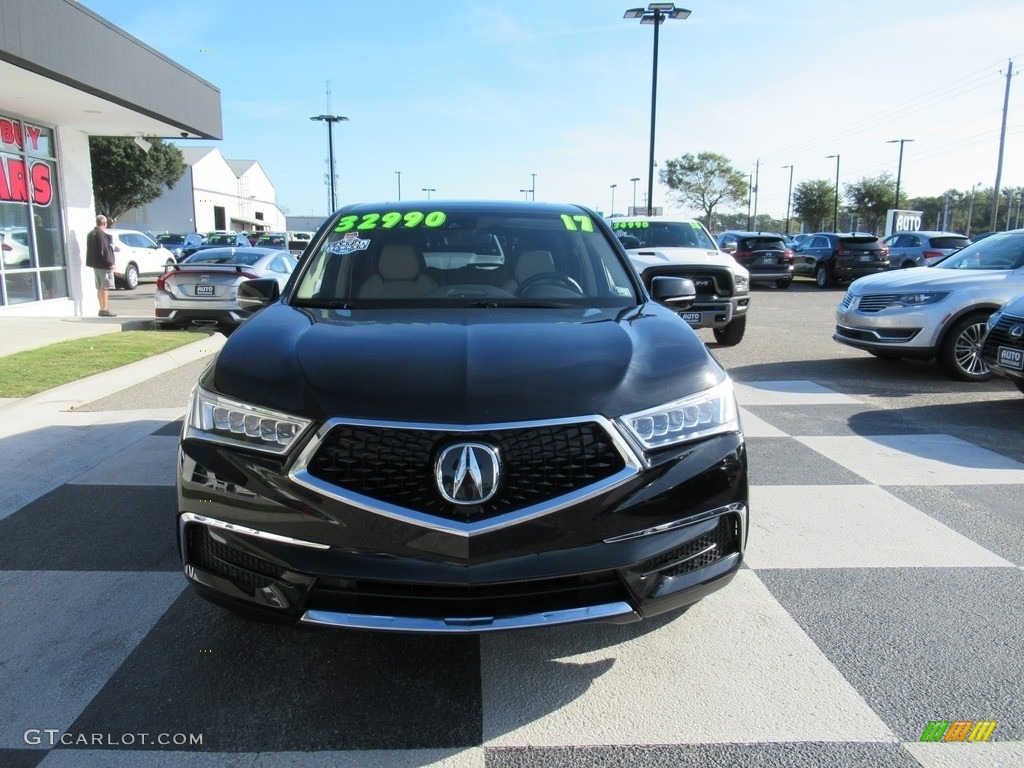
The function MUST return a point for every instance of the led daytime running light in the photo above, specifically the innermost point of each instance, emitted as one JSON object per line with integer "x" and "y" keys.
{"x": 706, "y": 413}
{"x": 217, "y": 418}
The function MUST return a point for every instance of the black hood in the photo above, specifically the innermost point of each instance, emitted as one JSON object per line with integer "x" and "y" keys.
{"x": 462, "y": 365}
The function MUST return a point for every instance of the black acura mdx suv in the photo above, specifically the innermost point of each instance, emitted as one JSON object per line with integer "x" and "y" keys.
{"x": 462, "y": 417}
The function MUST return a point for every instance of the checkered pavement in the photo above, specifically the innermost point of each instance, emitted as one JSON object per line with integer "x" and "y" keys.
{"x": 882, "y": 591}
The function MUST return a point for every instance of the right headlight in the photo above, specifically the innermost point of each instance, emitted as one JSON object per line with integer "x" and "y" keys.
{"x": 706, "y": 413}
{"x": 220, "y": 420}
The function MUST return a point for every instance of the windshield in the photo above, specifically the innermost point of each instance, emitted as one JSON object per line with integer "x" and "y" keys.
{"x": 663, "y": 234}
{"x": 1004, "y": 250}
{"x": 170, "y": 239}
{"x": 467, "y": 257}
{"x": 222, "y": 239}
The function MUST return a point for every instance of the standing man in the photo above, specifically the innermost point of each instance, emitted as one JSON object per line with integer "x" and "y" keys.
{"x": 99, "y": 254}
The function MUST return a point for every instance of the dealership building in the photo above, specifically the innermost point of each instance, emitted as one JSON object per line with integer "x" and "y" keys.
{"x": 67, "y": 74}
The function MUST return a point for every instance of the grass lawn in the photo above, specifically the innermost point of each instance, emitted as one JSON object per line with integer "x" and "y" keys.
{"x": 26, "y": 373}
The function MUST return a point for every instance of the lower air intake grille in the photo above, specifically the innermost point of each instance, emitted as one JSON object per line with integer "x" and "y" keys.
{"x": 218, "y": 558}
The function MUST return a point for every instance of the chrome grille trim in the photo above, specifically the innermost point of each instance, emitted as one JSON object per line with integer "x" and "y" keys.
{"x": 876, "y": 302}
{"x": 299, "y": 473}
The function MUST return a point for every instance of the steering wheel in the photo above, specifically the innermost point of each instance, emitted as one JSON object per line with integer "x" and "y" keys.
{"x": 549, "y": 278}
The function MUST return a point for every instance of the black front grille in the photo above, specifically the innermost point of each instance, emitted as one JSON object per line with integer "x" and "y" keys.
{"x": 999, "y": 335}
{"x": 218, "y": 558}
{"x": 464, "y": 601}
{"x": 396, "y": 465}
{"x": 721, "y": 541}
{"x": 708, "y": 282}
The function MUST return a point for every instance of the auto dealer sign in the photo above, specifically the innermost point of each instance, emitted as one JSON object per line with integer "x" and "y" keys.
{"x": 902, "y": 221}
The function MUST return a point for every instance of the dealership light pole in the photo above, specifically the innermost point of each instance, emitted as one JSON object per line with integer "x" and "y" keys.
{"x": 399, "y": 185}
{"x": 655, "y": 14}
{"x": 835, "y": 205}
{"x": 970, "y": 209}
{"x": 331, "y": 120}
{"x": 899, "y": 168}
{"x": 526, "y": 196}
{"x": 613, "y": 199}
{"x": 428, "y": 190}
{"x": 789, "y": 197}
{"x": 635, "y": 179}
{"x": 533, "y": 187}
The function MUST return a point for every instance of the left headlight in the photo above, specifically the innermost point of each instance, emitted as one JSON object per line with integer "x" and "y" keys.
{"x": 918, "y": 299}
{"x": 220, "y": 420}
{"x": 706, "y": 413}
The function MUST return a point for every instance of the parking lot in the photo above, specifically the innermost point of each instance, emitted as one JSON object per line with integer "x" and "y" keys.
{"x": 881, "y": 595}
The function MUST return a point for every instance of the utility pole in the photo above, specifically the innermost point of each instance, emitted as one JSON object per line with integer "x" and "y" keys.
{"x": 1002, "y": 144}
{"x": 757, "y": 180}
{"x": 750, "y": 193}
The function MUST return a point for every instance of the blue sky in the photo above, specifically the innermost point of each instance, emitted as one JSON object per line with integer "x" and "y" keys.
{"x": 471, "y": 98}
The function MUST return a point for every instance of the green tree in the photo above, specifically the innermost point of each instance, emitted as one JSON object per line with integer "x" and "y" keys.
{"x": 125, "y": 177}
{"x": 871, "y": 198}
{"x": 704, "y": 181}
{"x": 813, "y": 202}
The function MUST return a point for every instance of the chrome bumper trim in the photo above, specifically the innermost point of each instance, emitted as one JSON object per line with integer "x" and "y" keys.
{"x": 471, "y": 625}
{"x": 191, "y": 517}
{"x": 735, "y": 507}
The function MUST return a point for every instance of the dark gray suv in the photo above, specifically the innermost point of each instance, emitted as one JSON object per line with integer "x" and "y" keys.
{"x": 833, "y": 257}
{"x": 765, "y": 255}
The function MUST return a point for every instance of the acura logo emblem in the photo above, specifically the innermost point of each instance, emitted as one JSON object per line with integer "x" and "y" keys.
{"x": 467, "y": 473}
{"x": 1017, "y": 331}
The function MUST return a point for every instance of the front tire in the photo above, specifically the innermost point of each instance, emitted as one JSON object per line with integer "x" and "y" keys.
{"x": 960, "y": 353}
{"x": 731, "y": 334}
{"x": 784, "y": 283}
{"x": 131, "y": 277}
{"x": 822, "y": 277}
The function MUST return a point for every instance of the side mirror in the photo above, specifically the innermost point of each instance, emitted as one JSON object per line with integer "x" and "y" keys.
{"x": 679, "y": 292}
{"x": 728, "y": 247}
{"x": 256, "y": 294}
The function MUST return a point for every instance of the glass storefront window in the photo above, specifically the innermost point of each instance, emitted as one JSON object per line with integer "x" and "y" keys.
{"x": 33, "y": 263}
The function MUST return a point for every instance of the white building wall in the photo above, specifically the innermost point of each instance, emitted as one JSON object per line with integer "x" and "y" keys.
{"x": 171, "y": 212}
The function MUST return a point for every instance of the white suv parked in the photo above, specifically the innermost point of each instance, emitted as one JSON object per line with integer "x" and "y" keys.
{"x": 935, "y": 312}
{"x": 663, "y": 245}
{"x": 137, "y": 255}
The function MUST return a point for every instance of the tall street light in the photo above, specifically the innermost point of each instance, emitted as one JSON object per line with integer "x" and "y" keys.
{"x": 970, "y": 209}
{"x": 428, "y": 190}
{"x": 613, "y": 199}
{"x": 789, "y": 197}
{"x": 635, "y": 179}
{"x": 399, "y": 185}
{"x": 655, "y": 14}
{"x": 526, "y": 197}
{"x": 331, "y": 120}
{"x": 899, "y": 168}
{"x": 533, "y": 187}
{"x": 835, "y": 205}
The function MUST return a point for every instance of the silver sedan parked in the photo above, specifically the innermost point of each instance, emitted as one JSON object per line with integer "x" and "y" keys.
{"x": 203, "y": 289}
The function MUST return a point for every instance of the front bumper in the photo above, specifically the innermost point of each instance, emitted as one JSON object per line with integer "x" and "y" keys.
{"x": 252, "y": 539}
{"x": 715, "y": 314}
{"x": 911, "y": 333}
